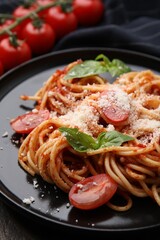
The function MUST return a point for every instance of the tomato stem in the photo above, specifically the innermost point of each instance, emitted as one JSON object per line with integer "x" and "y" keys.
{"x": 13, "y": 40}
{"x": 37, "y": 10}
{"x": 67, "y": 6}
{"x": 4, "y": 17}
{"x": 37, "y": 22}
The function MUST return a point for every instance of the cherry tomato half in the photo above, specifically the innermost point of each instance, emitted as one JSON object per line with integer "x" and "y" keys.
{"x": 62, "y": 22}
{"x": 28, "y": 121}
{"x": 88, "y": 12}
{"x": 92, "y": 192}
{"x": 40, "y": 39}
{"x": 115, "y": 107}
{"x": 11, "y": 56}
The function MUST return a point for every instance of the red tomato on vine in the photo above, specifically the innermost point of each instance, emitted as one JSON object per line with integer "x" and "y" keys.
{"x": 43, "y": 3}
{"x": 7, "y": 23}
{"x": 88, "y": 12}
{"x": 11, "y": 55}
{"x": 23, "y": 10}
{"x": 40, "y": 37}
{"x": 61, "y": 21}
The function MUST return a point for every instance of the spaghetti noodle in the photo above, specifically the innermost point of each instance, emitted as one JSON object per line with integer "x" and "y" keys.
{"x": 82, "y": 103}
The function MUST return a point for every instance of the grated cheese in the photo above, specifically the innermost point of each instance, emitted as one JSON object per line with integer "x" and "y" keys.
{"x": 5, "y": 134}
{"x": 117, "y": 97}
{"x": 29, "y": 200}
{"x": 145, "y": 125}
{"x": 81, "y": 117}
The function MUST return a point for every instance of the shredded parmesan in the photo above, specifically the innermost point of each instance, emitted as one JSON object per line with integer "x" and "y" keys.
{"x": 5, "y": 134}
{"x": 145, "y": 125}
{"x": 117, "y": 97}
{"x": 29, "y": 200}
{"x": 81, "y": 117}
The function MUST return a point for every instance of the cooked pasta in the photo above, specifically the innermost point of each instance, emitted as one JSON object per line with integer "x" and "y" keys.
{"x": 82, "y": 103}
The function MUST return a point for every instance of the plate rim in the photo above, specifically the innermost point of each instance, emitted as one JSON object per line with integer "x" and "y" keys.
{"x": 58, "y": 52}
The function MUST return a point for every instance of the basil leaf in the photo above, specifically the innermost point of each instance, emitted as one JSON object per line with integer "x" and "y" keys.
{"x": 117, "y": 67}
{"x": 80, "y": 141}
{"x": 83, "y": 142}
{"x": 113, "y": 138}
{"x": 103, "y": 57}
{"x": 85, "y": 69}
{"x": 100, "y": 65}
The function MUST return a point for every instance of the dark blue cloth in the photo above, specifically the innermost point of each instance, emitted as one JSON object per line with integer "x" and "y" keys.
{"x": 127, "y": 24}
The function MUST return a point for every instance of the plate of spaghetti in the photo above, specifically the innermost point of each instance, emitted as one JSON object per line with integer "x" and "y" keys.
{"x": 80, "y": 139}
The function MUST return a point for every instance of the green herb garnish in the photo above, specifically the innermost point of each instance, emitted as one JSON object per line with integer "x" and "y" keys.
{"x": 83, "y": 142}
{"x": 100, "y": 65}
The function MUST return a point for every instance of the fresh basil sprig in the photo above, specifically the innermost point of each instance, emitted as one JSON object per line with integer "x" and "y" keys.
{"x": 83, "y": 142}
{"x": 100, "y": 65}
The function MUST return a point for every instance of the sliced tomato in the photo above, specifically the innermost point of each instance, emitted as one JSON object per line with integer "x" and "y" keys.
{"x": 28, "y": 121}
{"x": 92, "y": 192}
{"x": 114, "y": 106}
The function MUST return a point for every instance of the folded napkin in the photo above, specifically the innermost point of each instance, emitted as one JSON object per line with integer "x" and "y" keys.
{"x": 133, "y": 25}
{"x": 126, "y": 24}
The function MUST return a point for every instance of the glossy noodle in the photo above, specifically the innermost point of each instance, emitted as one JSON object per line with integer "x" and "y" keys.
{"x": 82, "y": 103}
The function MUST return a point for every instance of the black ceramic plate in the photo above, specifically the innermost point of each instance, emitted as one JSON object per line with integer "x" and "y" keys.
{"x": 50, "y": 204}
